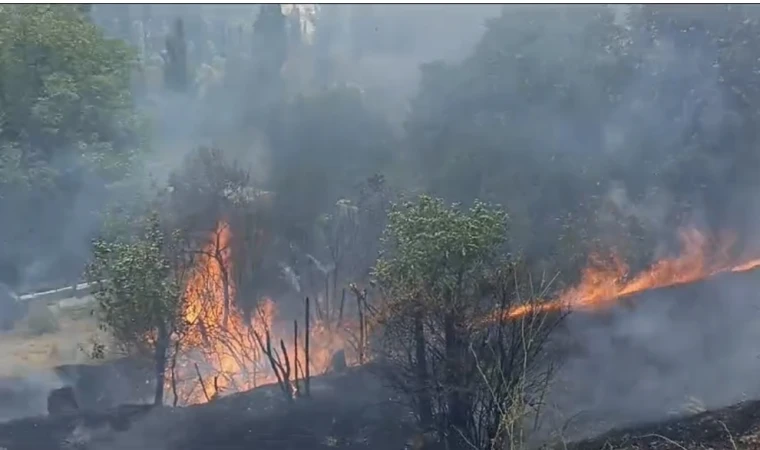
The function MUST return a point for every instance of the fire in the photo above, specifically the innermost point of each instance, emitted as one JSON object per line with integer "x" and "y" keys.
{"x": 603, "y": 284}
{"x": 224, "y": 351}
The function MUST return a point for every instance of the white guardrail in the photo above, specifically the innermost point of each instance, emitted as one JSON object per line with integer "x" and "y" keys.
{"x": 54, "y": 295}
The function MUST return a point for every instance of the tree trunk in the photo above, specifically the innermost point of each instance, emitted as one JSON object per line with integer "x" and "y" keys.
{"x": 423, "y": 395}
{"x": 456, "y": 385}
{"x": 162, "y": 345}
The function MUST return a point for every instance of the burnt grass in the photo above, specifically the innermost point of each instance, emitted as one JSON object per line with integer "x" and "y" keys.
{"x": 350, "y": 411}
{"x": 347, "y": 410}
{"x": 734, "y": 427}
{"x": 354, "y": 410}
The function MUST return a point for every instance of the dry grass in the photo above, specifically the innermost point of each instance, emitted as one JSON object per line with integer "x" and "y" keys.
{"x": 41, "y": 320}
{"x": 24, "y": 350}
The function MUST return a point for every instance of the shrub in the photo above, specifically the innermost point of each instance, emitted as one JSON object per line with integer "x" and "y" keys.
{"x": 41, "y": 320}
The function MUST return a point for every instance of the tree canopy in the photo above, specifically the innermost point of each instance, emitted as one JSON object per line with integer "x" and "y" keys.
{"x": 67, "y": 126}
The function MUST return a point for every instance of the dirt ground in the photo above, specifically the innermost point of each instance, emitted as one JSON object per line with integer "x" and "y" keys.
{"x": 25, "y": 352}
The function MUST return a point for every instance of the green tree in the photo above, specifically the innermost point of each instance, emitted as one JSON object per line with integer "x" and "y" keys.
{"x": 517, "y": 121}
{"x": 67, "y": 124}
{"x": 558, "y": 109}
{"x": 139, "y": 289}
{"x": 442, "y": 273}
{"x": 64, "y": 88}
{"x": 318, "y": 158}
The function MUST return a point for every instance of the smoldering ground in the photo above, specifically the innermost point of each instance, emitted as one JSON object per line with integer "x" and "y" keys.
{"x": 665, "y": 352}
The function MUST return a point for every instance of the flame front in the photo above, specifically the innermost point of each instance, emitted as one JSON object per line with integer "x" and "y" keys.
{"x": 221, "y": 349}
{"x": 603, "y": 284}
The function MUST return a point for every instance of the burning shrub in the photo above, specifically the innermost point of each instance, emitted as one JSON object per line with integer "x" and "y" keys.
{"x": 225, "y": 350}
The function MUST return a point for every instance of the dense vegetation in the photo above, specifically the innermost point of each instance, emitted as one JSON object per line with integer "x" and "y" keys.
{"x": 596, "y": 129}
{"x": 67, "y": 130}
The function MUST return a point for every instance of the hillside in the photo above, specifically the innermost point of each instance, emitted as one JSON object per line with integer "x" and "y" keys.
{"x": 349, "y": 411}
{"x": 731, "y": 428}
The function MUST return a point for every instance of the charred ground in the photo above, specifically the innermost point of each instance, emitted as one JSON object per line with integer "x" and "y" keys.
{"x": 647, "y": 376}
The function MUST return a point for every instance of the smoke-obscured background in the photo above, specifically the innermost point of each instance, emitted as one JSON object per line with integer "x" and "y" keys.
{"x": 599, "y": 129}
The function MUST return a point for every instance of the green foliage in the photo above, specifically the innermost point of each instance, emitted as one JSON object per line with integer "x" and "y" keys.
{"x": 137, "y": 290}
{"x": 434, "y": 250}
{"x": 556, "y": 107}
{"x": 67, "y": 127}
{"x": 64, "y": 89}
{"x": 317, "y": 158}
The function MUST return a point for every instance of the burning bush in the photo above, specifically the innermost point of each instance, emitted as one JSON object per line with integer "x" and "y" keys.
{"x": 222, "y": 349}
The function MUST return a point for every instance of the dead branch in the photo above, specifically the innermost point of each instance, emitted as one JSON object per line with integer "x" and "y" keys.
{"x": 280, "y": 372}
{"x": 216, "y": 387}
{"x": 307, "y": 363}
{"x": 362, "y": 331}
{"x": 174, "y": 373}
{"x": 342, "y": 305}
{"x": 295, "y": 354}
{"x": 203, "y": 385}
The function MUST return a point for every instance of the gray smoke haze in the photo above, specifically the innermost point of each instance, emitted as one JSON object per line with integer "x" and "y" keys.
{"x": 658, "y": 355}
{"x": 637, "y": 362}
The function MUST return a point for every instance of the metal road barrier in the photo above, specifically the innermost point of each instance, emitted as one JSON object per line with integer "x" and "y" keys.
{"x": 55, "y": 295}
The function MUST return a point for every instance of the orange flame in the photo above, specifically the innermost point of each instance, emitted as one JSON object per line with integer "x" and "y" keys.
{"x": 222, "y": 349}
{"x": 601, "y": 285}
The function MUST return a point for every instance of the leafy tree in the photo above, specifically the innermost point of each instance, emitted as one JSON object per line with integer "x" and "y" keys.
{"x": 139, "y": 289}
{"x": 64, "y": 89}
{"x": 498, "y": 124}
{"x": 67, "y": 125}
{"x": 318, "y": 158}
{"x": 557, "y": 110}
{"x": 442, "y": 276}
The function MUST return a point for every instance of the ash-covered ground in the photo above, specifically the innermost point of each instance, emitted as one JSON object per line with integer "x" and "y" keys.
{"x": 664, "y": 353}
{"x": 659, "y": 354}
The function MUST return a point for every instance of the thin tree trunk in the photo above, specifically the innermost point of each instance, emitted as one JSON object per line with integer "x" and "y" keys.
{"x": 455, "y": 399}
{"x": 174, "y": 374}
{"x": 307, "y": 363}
{"x": 424, "y": 403}
{"x": 362, "y": 332}
{"x": 162, "y": 344}
{"x": 295, "y": 353}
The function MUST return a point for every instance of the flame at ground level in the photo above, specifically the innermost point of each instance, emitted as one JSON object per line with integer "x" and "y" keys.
{"x": 222, "y": 348}
{"x": 603, "y": 284}
{"x": 224, "y": 351}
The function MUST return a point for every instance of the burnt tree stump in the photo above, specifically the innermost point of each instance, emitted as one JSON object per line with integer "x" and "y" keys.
{"x": 338, "y": 362}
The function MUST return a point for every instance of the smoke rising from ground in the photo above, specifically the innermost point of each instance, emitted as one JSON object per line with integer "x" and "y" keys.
{"x": 595, "y": 127}
{"x": 658, "y": 355}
